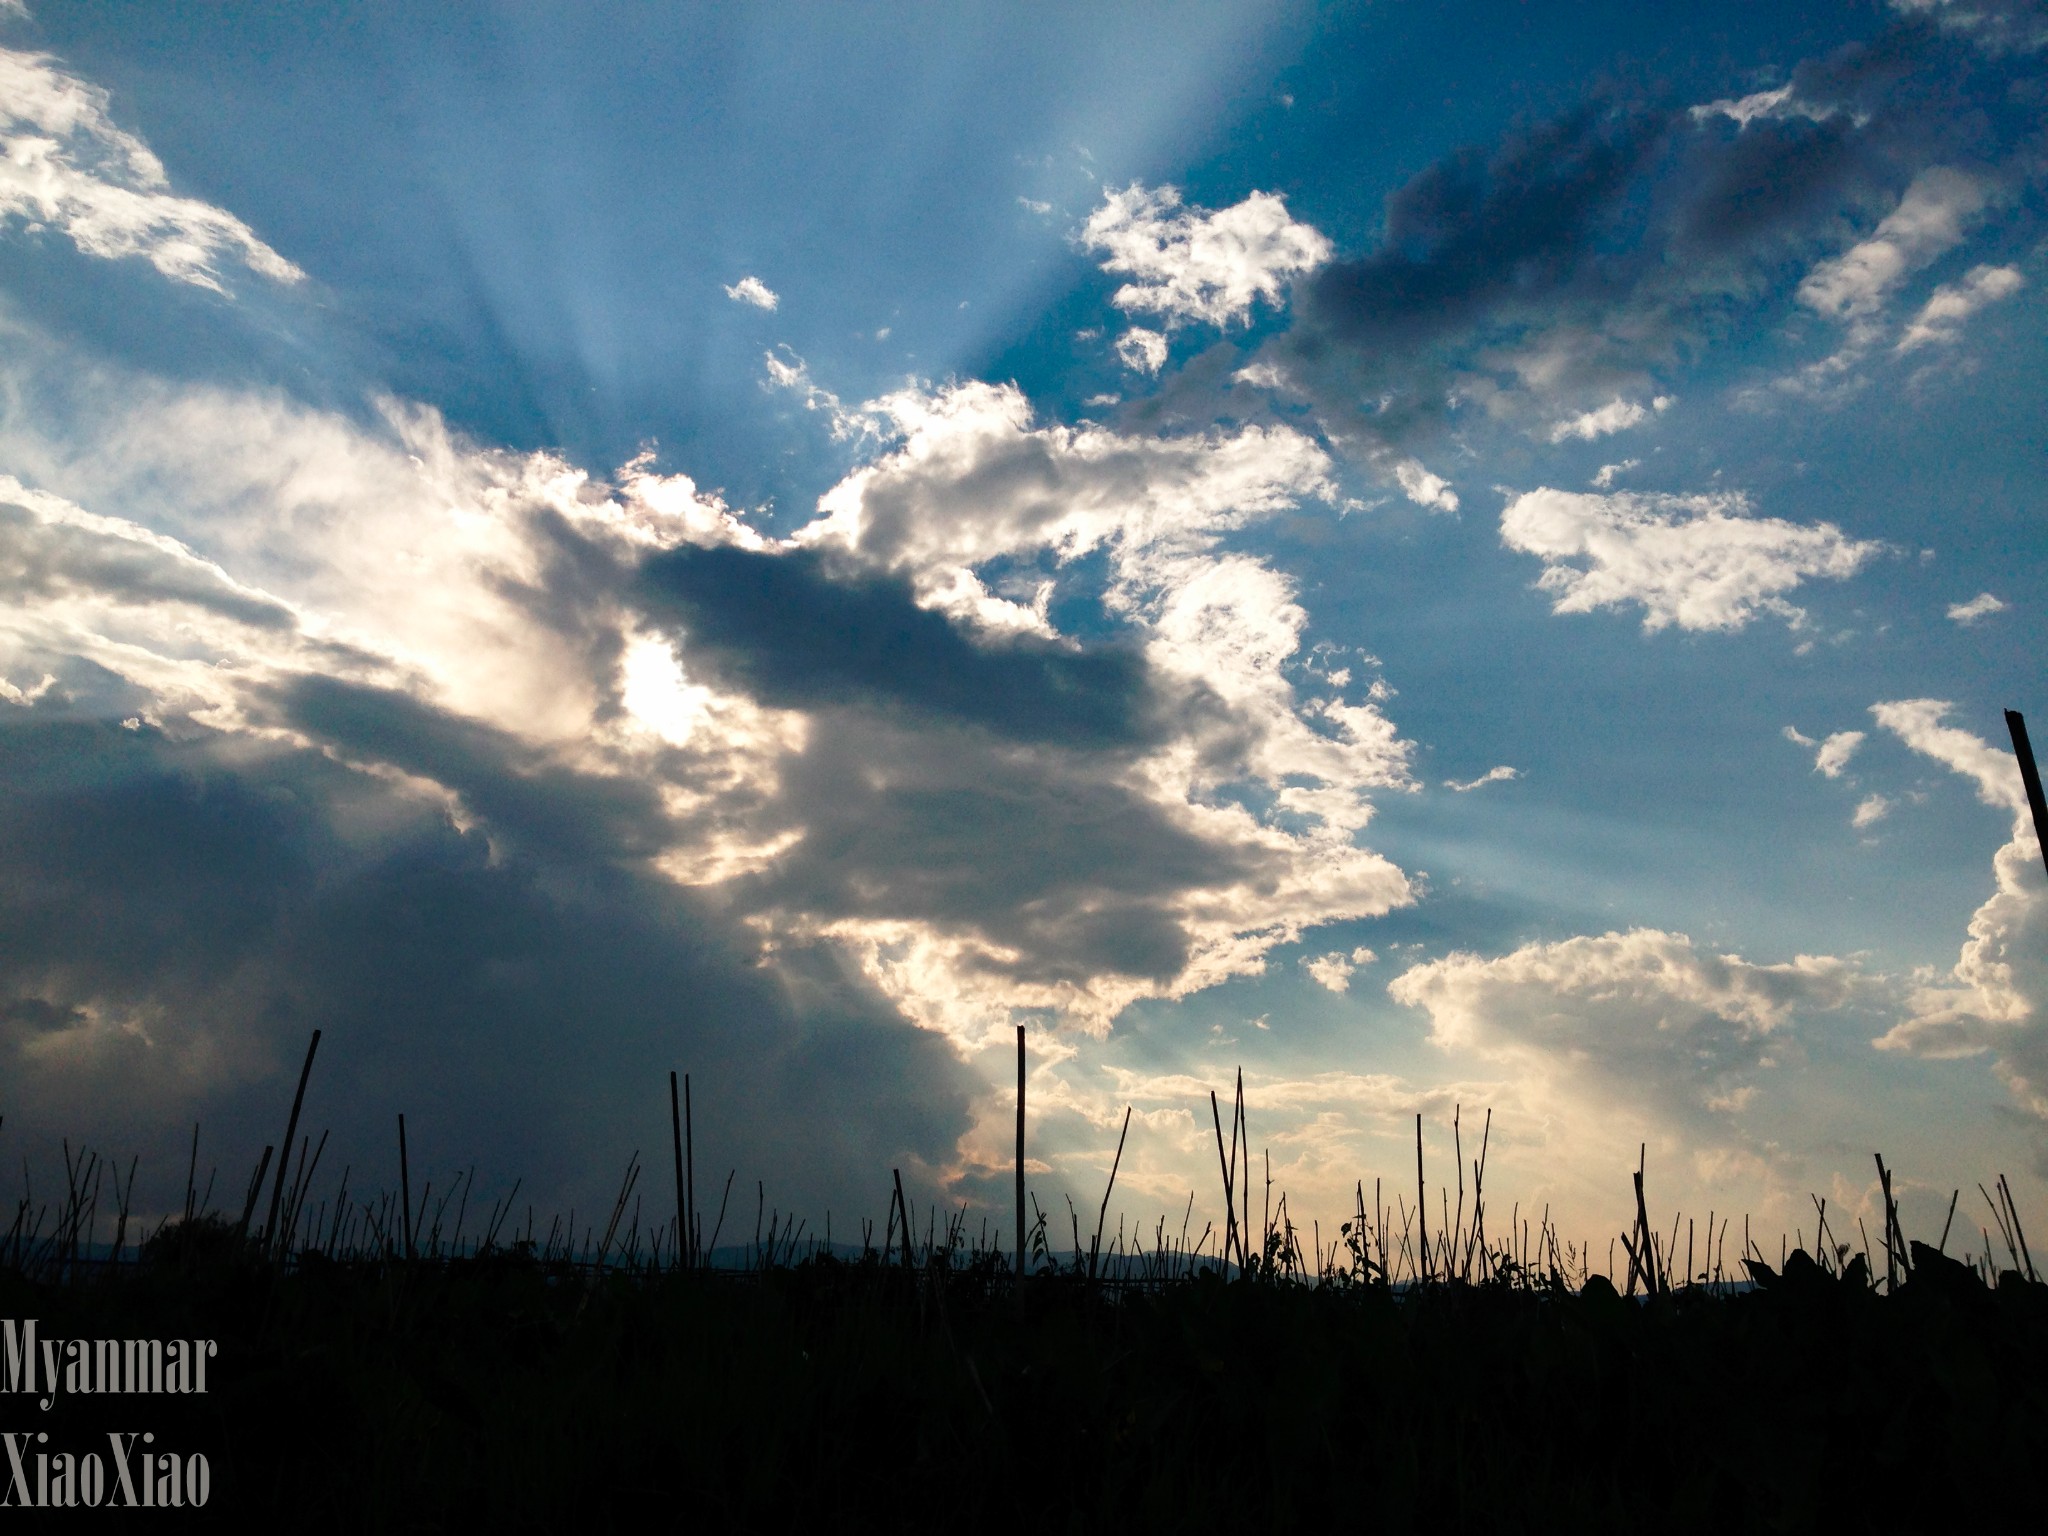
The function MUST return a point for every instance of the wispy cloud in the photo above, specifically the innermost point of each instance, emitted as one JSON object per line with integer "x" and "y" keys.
{"x": 1835, "y": 752}
{"x": 1501, "y": 775}
{"x": 1941, "y": 318}
{"x": 1617, "y": 415}
{"x": 65, "y": 166}
{"x": 1982, "y": 606}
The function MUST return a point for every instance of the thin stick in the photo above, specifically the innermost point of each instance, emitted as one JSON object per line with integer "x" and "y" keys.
{"x": 1020, "y": 1151}
{"x": 405, "y": 1185}
{"x": 1229, "y": 1198}
{"x": 675, "y": 1116}
{"x": 1421, "y": 1212}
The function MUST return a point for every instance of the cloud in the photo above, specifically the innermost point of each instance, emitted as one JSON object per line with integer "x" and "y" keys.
{"x": 1870, "y": 810}
{"x": 751, "y": 290}
{"x": 1141, "y": 351}
{"x": 1927, "y": 222}
{"x": 1940, "y": 321}
{"x": 871, "y": 742}
{"x": 1193, "y": 265}
{"x": 1646, "y": 1011}
{"x": 1335, "y": 969}
{"x": 1604, "y": 480}
{"x": 1998, "y": 26}
{"x": 1500, "y": 775}
{"x": 1995, "y": 998}
{"x": 1700, "y": 562}
{"x": 1983, "y": 605}
{"x": 66, "y": 167}
{"x": 1919, "y": 724}
{"x": 1793, "y": 734}
{"x": 1835, "y": 753}
{"x": 1760, "y": 106}
{"x": 1538, "y": 278}
{"x": 1617, "y": 415}
{"x": 1424, "y": 488}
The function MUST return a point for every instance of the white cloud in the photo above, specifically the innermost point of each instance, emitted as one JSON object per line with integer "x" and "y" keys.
{"x": 1190, "y": 264}
{"x": 1981, "y": 606}
{"x": 1141, "y": 351}
{"x": 1919, "y": 724}
{"x": 1424, "y": 488}
{"x": 751, "y": 290}
{"x": 1793, "y": 734}
{"x": 1500, "y": 775}
{"x": 1995, "y": 998}
{"x": 1604, "y": 480}
{"x": 1032, "y": 205}
{"x": 1941, "y": 318}
{"x": 65, "y": 166}
{"x": 1870, "y": 810}
{"x": 1928, "y": 221}
{"x": 1835, "y": 753}
{"x": 1617, "y": 415}
{"x": 1700, "y": 562}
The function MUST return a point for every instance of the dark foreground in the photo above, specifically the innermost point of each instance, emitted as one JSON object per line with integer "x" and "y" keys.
{"x": 485, "y": 1394}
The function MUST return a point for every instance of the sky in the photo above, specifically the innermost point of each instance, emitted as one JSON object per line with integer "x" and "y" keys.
{"x": 1453, "y": 558}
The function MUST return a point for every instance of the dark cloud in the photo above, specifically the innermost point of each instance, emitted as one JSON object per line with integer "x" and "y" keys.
{"x": 1479, "y": 232}
{"x": 795, "y": 633}
{"x": 176, "y": 915}
{"x": 1038, "y": 850}
{"x": 1577, "y": 256}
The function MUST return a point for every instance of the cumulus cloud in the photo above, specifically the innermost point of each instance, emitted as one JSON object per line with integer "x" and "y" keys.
{"x": 869, "y": 742}
{"x": 1335, "y": 969}
{"x": 1700, "y": 562}
{"x": 1196, "y": 265}
{"x": 1604, "y": 480}
{"x": 1928, "y": 221}
{"x": 1500, "y": 775}
{"x": 65, "y": 166}
{"x": 1646, "y": 1010}
{"x": 1870, "y": 810}
{"x": 1941, "y": 318}
{"x": 1995, "y": 998}
{"x": 751, "y": 290}
{"x": 1835, "y": 752}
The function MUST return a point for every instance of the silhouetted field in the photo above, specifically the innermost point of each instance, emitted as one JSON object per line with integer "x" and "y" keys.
{"x": 501, "y": 1391}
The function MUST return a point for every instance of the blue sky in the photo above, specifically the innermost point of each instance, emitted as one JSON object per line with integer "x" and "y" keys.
{"x": 1463, "y": 554}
